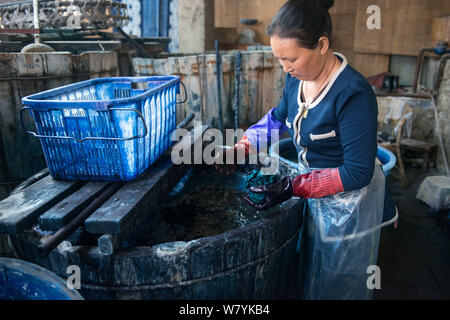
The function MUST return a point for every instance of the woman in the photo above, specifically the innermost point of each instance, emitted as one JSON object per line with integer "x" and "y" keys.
{"x": 330, "y": 111}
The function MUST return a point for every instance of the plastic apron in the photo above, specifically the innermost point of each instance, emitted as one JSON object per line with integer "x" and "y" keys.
{"x": 340, "y": 234}
{"x": 339, "y": 241}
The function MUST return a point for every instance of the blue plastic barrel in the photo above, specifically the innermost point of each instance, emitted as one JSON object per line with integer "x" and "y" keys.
{"x": 387, "y": 159}
{"x": 21, "y": 280}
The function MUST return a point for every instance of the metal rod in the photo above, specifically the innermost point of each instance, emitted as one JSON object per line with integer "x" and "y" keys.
{"x": 138, "y": 47}
{"x": 439, "y": 74}
{"x": 219, "y": 83}
{"x": 37, "y": 37}
{"x": 237, "y": 89}
{"x": 419, "y": 67}
{"x": 51, "y": 243}
{"x": 436, "y": 117}
{"x": 185, "y": 122}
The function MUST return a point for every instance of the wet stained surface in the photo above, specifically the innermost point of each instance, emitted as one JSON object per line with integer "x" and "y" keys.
{"x": 414, "y": 257}
{"x": 204, "y": 203}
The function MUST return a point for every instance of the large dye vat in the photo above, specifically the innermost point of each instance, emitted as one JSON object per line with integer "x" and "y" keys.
{"x": 203, "y": 243}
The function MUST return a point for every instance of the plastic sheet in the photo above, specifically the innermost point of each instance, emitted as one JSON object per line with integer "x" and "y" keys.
{"x": 340, "y": 241}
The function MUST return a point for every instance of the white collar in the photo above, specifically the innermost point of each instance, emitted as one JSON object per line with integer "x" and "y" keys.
{"x": 327, "y": 88}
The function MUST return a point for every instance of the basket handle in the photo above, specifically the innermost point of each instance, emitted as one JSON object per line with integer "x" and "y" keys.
{"x": 185, "y": 94}
{"x": 88, "y": 138}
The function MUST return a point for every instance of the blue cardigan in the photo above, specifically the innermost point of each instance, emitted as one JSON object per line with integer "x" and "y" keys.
{"x": 340, "y": 128}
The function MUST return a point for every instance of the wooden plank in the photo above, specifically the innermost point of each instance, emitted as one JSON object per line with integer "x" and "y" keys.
{"x": 371, "y": 64}
{"x": 98, "y": 64}
{"x": 278, "y": 82}
{"x": 189, "y": 67}
{"x": 226, "y": 13}
{"x": 343, "y": 34}
{"x": 255, "y": 73}
{"x": 108, "y": 243}
{"x": 132, "y": 204}
{"x": 440, "y": 28}
{"x": 210, "y": 111}
{"x": 229, "y": 12}
{"x": 228, "y": 68}
{"x": 67, "y": 209}
{"x": 405, "y": 26}
{"x": 23, "y": 153}
{"x": 173, "y": 68}
{"x": 267, "y": 83}
{"x": 23, "y": 208}
{"x": 264, "y": 11}
{"x": 243, "y": 93}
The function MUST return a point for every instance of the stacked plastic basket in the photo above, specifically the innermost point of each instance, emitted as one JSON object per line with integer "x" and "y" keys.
{"x": 107, "y": 129}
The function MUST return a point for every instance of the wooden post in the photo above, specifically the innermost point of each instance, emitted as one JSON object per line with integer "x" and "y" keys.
{"x": 108, "y": 243}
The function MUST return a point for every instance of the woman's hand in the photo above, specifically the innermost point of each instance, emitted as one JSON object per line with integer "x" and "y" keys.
{"x": 220, "y": 161}
{"x": 275, "y": 193}
{"x": 227, "y": 159}
{"x": 316, "y": 184}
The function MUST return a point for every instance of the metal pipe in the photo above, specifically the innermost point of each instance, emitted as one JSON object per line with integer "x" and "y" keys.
{"x": 440, "y": 72}
{"x": 237, "y": 88}
{"x": 53, "y": 241}
{"x": 185, "y": 122}
{"x": 219, "y": 83}
{"x": 419, "y": 67}
{"x": 136, "y": 45}
{"x": 37, "y": 36}
{"x": 436, "y": 117}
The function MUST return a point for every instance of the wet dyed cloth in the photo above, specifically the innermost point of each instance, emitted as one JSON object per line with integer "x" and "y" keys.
{"x": 256, "y": 178}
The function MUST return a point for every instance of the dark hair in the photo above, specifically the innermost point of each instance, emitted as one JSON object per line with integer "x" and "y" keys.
{"x": 304, "y": 20}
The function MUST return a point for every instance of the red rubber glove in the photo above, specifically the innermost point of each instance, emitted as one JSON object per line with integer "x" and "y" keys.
{"x": 317, "y": 184}
{"x": 243, "y": 144}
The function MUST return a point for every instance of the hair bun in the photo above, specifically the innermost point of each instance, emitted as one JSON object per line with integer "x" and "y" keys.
{"x": 327, "y": 4}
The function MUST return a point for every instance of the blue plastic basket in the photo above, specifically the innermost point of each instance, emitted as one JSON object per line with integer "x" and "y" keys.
{"x": 107, "y": 129}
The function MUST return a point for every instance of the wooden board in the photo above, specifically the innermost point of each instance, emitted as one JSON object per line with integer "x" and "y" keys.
{"x": 129, "y": 207}
{"x": 343, "y": 35}
{"x": 370, "y": 64}
{"x": 405, "y": 26}
{"x": 67, "y": 209}
{"x": 229, "y": 12}
{"x": 440, "y": 29}
{"x": 25, "y": 74}
{"x": 20, "y": 210}
{"x": 261, "y": 85}
{"x": 226, "y": 13}
{"x": 132, "y": 204}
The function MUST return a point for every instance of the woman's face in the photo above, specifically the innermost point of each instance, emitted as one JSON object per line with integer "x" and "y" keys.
{"x": 302, "y": 63}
